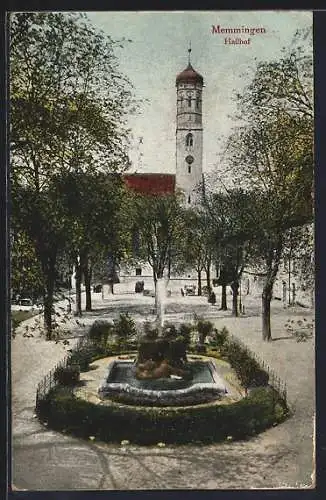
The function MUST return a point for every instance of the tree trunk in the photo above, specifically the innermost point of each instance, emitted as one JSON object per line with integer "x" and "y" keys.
{"x": 266, "y": 312}
{"x": 272, "y": 266}
{"x": 48, "y": 309}
{"x": 78, "y": 310}
{"x": 87, "y": 270}
{"x": 49, "y": 273}
{"x": 155, "y": 288}
{"x": 111, "y": 284}
{"x": 235, "y": 293}
{"x": 169, "y": 264}
{"x": 208, "y": 276}
{"x": 199, "y": 281}
{"x": 224, "y": 306}
{"x": 289, "y": 281}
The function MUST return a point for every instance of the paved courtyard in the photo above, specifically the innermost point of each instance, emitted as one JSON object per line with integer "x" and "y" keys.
{"x": 281, "y": 457}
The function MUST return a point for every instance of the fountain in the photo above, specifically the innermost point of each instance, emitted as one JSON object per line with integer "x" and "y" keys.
{"x": 161, "y": 374}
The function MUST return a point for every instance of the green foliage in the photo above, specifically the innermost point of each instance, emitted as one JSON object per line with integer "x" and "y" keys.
{"x": 219, "y": 337}
{"x": 270, "y": 156}
{"x": 301, "y": 329}
{"x": 68, "y": 101}
{"x": 68, "y": 97}
{"x": 86, "y": 354}
{"x": 18, "y": 317}
{"x": 26, "y": 274}
{"x": 124, "y": 328}
{"x": 205, "y": 423}
{"x": 150, "y": 330}
{"x": 100, "y": 331}
{"x": 246, "y": 368}
{"x": 67, "y": 375}
{"x": 157, "y": 223}
{"x": 185, "y": 331}
{"x": 204, "y": 329}
{"x": 200, "y": 349}
{"x": 169, "y": 331}
{"x": 197, "y": 242}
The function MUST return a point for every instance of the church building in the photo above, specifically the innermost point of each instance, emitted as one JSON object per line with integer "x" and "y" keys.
{"x": 189, "y": 144}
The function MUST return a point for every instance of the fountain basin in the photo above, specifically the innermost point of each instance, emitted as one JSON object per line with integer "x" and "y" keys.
{"x": 122, "y": 385}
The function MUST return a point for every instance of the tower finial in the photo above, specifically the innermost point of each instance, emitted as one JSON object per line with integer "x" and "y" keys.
{"x": 189, "y": 52}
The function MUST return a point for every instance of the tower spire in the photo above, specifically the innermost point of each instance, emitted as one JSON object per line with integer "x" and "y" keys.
{"x": 189, "y": 52}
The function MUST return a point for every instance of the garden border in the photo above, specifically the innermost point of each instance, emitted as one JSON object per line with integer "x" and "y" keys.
{"x": 208, "y": 422}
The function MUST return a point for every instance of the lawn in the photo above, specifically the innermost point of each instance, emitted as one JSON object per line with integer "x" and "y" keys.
{"x": 18, "y": 317}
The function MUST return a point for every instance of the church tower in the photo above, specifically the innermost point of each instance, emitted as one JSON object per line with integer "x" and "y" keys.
{"x": 189, "y": 134}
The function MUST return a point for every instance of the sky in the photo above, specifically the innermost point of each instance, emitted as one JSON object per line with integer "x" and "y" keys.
{"x": 158, "y": 51}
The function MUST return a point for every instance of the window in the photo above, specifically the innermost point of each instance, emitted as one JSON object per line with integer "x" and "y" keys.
{"x": 189, "y": 169}
{"x": 138, "y": 271}
{"x": 197, "y": 102}
{"x": 189, "y": 102}
{"x": 189, "y": 140}
{"x": 189, "y": 199}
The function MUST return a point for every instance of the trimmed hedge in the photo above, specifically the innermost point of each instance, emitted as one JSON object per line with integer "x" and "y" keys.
{"x": 67, "y": 375}
{"x": 204, "y": 423}
{"x": 85, "y": 356}
{"x": 247, "y": 368}
{"x": 149, "y": 425}
{"x": 100, "y": 330}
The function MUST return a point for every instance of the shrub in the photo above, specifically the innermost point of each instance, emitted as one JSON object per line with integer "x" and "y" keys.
{"x": 200, "y": 349}
{"x": 204, "y": 328}
{"x": 84, "y": 356}
{"x": 185, "y": 330}
{"x": 100, "y": 330}
{"x": 169, "y": 331}
{"x": 220, "y": 337}
{"x": 80, "y": 358}
{"x": 67, "y": 375}
{"x": 150, "y": 330}
{"x": 246, "y": 368}
{"x": 124, "y": 328}
{"x": 176, "y": 351}
{"x": 139, "y": 286}
{"x": 301, "y": 330}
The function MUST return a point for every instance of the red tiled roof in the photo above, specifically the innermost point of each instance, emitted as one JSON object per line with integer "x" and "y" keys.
{"x": 151, "y": 183}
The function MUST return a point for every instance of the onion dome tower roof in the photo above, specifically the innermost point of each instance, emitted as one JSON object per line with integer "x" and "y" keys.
{"x": 189, "y": 75}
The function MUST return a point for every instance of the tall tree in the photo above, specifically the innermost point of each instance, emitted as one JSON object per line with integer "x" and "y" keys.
{"x": 26, "y": 275}
{"x": 68, "y": 107}
{"x": 93, "y": 204}
{"x": 274, "y": 159}
{"x": 271, "y": 153}
{"x": 68, "y": 99}
{"x": 196, "y": 246}
{"x": 158, "y": 219}
{"x": 233, "y": 233}
{"x": 44, "y": 222}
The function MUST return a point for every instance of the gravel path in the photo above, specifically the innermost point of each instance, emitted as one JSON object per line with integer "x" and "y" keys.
{"x": 281, "y": 457}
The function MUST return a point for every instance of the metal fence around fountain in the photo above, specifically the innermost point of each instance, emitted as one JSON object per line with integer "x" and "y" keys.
{"x": 49, "y": 381}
